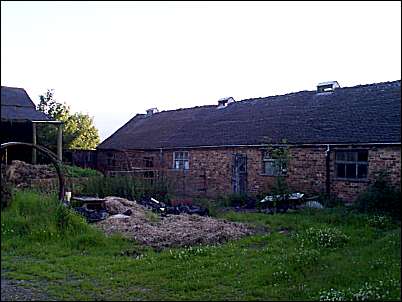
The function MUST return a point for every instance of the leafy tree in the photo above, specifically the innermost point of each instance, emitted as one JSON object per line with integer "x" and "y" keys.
{"x": 280, "y": 190}
{"x": 78, "y": 129}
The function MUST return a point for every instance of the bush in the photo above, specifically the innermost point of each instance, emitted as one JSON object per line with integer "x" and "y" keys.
{"x": 74, "y": 171}
{"x": 236, "y": 199}
{"x": 380, "y": 197}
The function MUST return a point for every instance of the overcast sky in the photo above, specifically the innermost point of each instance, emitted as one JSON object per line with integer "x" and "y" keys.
{"x": 113, "y": 60}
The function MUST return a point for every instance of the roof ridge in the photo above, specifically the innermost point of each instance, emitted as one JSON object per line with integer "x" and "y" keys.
{"x": 346, "y": 115}
{"x": 287, "y": 94}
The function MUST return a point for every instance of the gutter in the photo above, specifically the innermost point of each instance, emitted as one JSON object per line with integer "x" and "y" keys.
{"x": 260, "y": 145}
{"x": 48, "y": 122}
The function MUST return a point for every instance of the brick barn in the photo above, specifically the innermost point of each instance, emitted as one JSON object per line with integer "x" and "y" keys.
{"x": 339, "y": 140}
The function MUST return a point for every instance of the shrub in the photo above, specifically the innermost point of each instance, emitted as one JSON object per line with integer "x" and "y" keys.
{"x": 236, "y": 200}
{"x": 380, "y": 197}
{"x": 74, "y": 171}
{"x": 213, "y": 206}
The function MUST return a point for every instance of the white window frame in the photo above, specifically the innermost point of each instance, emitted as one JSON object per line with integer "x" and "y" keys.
{"x": 277, "y": 166}
{"x": 181, "y": 160}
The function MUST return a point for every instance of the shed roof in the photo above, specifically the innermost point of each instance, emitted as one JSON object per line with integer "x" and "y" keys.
{"x": 360, "y": 114}
{"x": 16, "y": 105}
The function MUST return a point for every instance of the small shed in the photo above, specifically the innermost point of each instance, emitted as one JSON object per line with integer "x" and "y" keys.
{"x": 19, "y": 118}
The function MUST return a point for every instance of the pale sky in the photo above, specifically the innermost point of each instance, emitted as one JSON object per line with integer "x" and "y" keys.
{"x": 113, "y": 60}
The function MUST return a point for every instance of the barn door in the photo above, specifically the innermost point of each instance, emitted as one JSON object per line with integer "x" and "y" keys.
{"x": 239, "y": 173}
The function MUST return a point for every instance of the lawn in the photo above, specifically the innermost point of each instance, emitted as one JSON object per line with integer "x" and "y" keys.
{"x": 309, "y": 255}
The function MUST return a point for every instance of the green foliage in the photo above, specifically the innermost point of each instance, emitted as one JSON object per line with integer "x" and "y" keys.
{"x": 380, "y": 197}
{"x": 68, "y": 221}
{"x": 125, "y": 186}
{"x": 378, "y": 290}
{"x": 74, "y": 171}
{"x": 236, "y": 199}
{"x": 34, "y": 218}
{"x": 280, "y": 188}
{"x": 83, "y": 264}
{"x": 152, "y": 217}
{"x": 214, "y": 206}
{"x": 326, "y": 237}
{"x": 380, "y": 222}
{"x": 330, "y": 201}
{"x": 6, "y": 191}
{"x": 78, "y": 129}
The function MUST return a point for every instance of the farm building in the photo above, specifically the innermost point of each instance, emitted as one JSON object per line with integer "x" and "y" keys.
{"x": 339, "y": 140}
{"x": 19, "y": 119}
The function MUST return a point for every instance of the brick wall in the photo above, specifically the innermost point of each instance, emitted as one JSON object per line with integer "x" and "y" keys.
{"x": 210, "y": 170}
{"x": 379, "y": 159}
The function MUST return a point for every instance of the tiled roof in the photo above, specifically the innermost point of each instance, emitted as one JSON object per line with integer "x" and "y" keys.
{"x": 16, "y": 105}
{"x": 359, "y": 114}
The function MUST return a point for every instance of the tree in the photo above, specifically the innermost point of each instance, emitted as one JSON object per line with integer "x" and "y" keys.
{"x": 280, "y": 190}
{"x": 78, "y": 129}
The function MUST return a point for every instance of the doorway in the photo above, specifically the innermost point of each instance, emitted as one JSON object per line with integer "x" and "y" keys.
{"x": 239, "y": 173}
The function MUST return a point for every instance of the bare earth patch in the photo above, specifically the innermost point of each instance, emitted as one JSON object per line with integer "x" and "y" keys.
{"x": 173, "y": 230}
{"x": 19, "y": 290}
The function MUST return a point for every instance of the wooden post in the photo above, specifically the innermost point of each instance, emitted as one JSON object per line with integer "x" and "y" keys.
{"x": 34, "y": 142}
{"x": 60, "y": 142}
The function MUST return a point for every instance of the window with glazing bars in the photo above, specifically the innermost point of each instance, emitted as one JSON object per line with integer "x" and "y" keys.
{"x": 351, "y": 164}
{"x": 272, "y": 166}
{"x": 180, "y": 160}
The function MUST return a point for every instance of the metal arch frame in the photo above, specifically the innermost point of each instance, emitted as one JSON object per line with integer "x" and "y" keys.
{"x": 53, "y": 157}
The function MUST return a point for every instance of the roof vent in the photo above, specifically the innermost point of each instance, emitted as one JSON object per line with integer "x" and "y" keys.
{"x": 327, "y": 86}
{"x": 224, "y": 102}
{"x": 152, "y": 111}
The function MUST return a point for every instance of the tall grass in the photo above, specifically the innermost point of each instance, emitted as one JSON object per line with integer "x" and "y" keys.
{"x": 43, "y": 241}
{"x": 34, "y": 219}
{"x": 125, "y": 186}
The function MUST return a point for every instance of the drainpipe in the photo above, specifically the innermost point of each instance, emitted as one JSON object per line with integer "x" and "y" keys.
{"x": 327, "y": 168}
{"x": 161, "y": 168}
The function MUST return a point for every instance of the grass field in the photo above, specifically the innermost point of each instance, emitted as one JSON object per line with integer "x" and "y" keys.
{"x": 310, "y": 255}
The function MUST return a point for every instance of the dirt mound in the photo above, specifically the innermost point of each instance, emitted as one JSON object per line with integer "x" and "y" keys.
{"x": 21, "y": 174}
{"x": 114, "y": 205}
{"x": 174, "y": 230}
